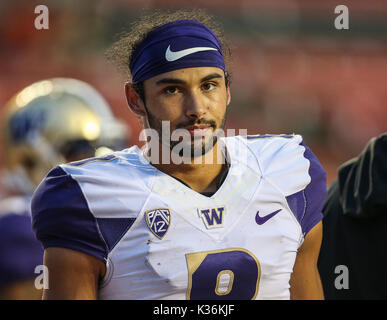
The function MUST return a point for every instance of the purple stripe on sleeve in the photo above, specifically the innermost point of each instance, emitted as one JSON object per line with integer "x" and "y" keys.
{"x": 307, "y": 204}
{"x": 114, "y": 229}
{"x": 61, "y": 216}
{"x": 297, "y": 204}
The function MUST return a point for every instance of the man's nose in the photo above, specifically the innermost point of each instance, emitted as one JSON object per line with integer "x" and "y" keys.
{"x": 195, "y": 105}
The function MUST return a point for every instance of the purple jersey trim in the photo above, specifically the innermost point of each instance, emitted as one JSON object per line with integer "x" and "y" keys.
{"x": 20, "y": 251}
{"x": 114, "y": 229}
{"x": 307, "y": 204}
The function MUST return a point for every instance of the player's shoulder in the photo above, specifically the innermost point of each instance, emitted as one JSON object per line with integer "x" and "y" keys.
{"x": 129, "y": 160}
{"x": 264, "y": 145}
{"x": 285, "y": 159}
{"x": 89, "y": 204}
{"x": 82, "y": 183}
{"x": 257, "y": 142}
{"x": 277, "y": 152}
{"x": 265, "y": 149}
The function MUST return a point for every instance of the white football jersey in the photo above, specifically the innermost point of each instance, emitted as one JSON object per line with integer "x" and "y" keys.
{"x": 162, "y": 240}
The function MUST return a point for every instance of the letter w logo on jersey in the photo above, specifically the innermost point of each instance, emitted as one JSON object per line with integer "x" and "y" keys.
{"x": 213, "y": 217}
{"x": 158, "y": 221}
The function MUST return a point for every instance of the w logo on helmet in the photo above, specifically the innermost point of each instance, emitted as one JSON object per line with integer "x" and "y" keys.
{"x": 158, "y": 221}
{"x": 27, "y": 124}
{"x": 213, "y": 217}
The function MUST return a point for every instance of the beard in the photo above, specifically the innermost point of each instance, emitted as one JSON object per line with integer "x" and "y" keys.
{"x": 198, "y": 145}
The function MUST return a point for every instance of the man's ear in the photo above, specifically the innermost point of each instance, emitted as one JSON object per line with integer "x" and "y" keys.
{"x": 135, "y": 103}
{"x": 228, "y": 93}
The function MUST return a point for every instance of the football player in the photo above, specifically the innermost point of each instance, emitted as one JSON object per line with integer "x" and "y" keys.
{"x": 47, "y": 123}
{"x": 148, "y": 224}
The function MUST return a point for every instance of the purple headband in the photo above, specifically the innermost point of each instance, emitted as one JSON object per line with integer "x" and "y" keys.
{"x": 176, "y": 45}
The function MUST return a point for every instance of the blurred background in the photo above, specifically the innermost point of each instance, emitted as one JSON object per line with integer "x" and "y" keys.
{"x": 292, "y": 70}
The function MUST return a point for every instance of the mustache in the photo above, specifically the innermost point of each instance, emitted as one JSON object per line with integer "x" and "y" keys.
{"x": 210, "y": 123}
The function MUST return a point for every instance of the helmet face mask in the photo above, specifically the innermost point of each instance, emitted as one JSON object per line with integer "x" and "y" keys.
{"x": 55, "y": 121}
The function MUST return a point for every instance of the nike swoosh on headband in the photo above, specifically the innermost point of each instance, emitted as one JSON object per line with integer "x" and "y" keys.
{"x": 173, "y": 56}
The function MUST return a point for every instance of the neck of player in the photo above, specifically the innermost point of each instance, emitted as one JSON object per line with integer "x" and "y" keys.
{"x": 201, "y": 174}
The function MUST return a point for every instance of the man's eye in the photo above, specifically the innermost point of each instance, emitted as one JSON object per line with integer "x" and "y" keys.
{"x": 209, "y": 86}
{"x": 171, "y": 90}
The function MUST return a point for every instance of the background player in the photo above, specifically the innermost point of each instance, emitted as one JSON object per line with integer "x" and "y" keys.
{"x": 47, "y": 123}
{"x": 355, "y": 226}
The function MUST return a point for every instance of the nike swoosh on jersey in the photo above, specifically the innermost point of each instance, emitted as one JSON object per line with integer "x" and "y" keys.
{"x": 176, "y": 55}
{"x": 262, "y": 220}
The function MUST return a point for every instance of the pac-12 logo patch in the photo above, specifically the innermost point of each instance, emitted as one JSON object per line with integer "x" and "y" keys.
{"x": 158, "y": 221}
